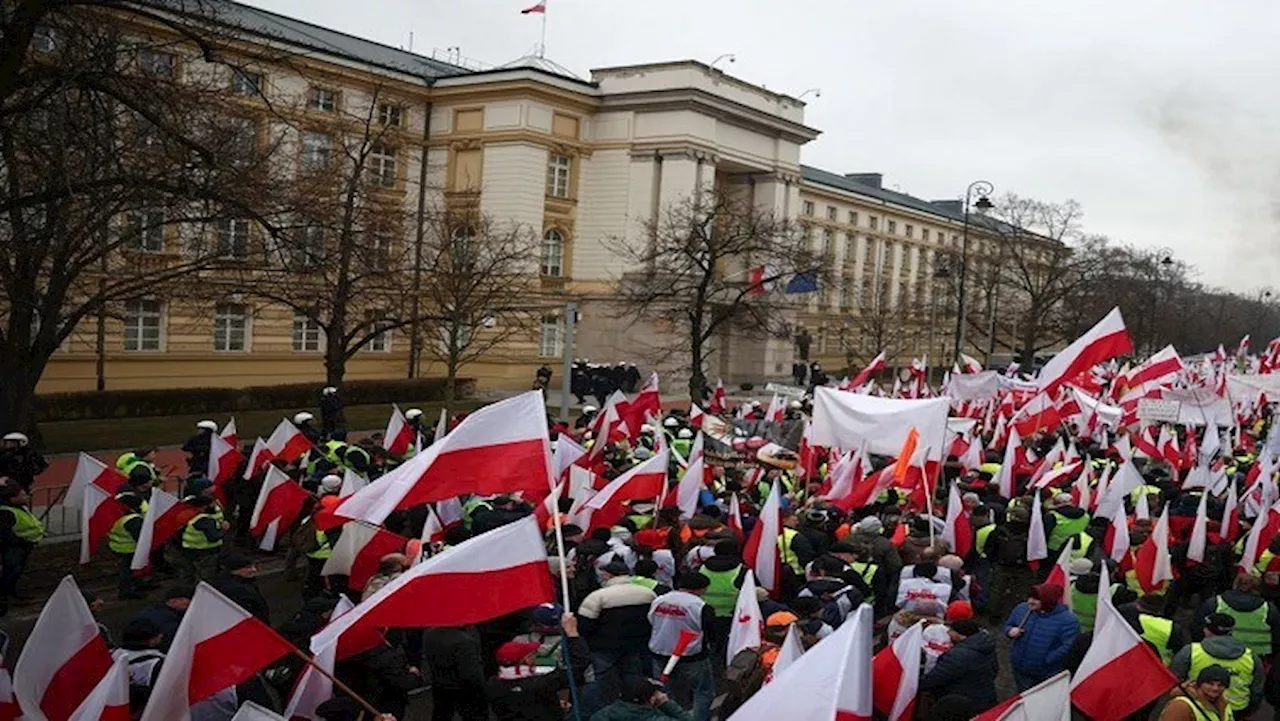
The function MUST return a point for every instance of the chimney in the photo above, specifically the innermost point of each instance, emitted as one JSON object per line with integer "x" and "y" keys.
{"x": 873, "y": 180}
{"x": 950, "y": 206}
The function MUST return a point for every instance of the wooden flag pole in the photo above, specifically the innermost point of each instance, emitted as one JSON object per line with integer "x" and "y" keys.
{"x": 337, "y": 682}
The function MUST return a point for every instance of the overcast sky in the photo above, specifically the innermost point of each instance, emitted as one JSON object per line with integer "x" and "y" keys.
{"x": 1160, "y": 116}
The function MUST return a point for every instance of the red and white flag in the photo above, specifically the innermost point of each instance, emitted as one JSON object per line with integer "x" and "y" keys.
{"x": 695, "y": 415}
{"x": 1037, "y": 547}
{"x": 748, "y": 621}
{"x": 1199, "y": 531}
{"x": 777, "y": 409}
{"x": 971, "y": 364}
{"x": 735, "y": 517}
{"x": 218, "y": 645}
{"x": 1049, "y": 701}
{"x": 895, "y": 675}
{"x": 718, "y": 398}
{"x": 1061, "y": 571}
{"x": 287, "y": 442}
{"x": 957, "y": 531}
{"x": 1161, "y": 369}
{"x": 99, "y": 513}
{"x": 643, "y": 482}
{"x": 690, "y": 488}
{"x": 566, "y": 454}
{"x": 761, "y": 551}
{"x": 1004, "y": 480}
{"x": 351, "y": 482}
{"x": 165, "y": 516}
{"x": 1153, "y": 563}
{"x": 63, "y": 659}
{"x": 314, "y": 688}
{"x": 399, "y": 436}
{"x": 1120, "y": 673}
{"x": 229, "y": 432}
{"x": 501, "y": 448}
{"x": 1040, "y": 412}
{"x": 491, "y": 575}
{"x": 224, "y": 459}
{"x": 258, "y": 458}
{"x": 759, "y": 281}
{"x": 1058, "y": 476}
{"x": 358, "y": 551}
{"x": 876, "y": 365}
{"x": 539, "y": 9}
{"x": 831, "y": 681}
{"x": 91, "y": 472}
{"x": 1105, "y": 340}
{"x": 109, "y": 700}
{"x": 279, "y": 505}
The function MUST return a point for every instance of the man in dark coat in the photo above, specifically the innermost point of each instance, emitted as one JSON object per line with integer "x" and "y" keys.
{"x": 197, "y": 448}
{"x": 456, "y": 669}
{"x": 523, "y": 691}
{"x": 237, "y": 583}
{"x": 383, "y": 677}
{"x": 968, "y": 671}
{"x": 168, "y": 615}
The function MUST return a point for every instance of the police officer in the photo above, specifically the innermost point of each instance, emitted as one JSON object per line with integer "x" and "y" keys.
{"x": 19, "y": 461}
{"x": 197, "y": 447}
{"x": 202, "y": 538}
{"x": 305, "y": 422}
{"x": 357, "y": 457}
{"x": 20, "y": 531}
{"x": 122, "y": 539}
{"x": 330, "y": 410}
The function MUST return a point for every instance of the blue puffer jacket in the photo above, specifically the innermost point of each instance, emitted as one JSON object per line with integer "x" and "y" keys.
{"x": 1046, "y": 638}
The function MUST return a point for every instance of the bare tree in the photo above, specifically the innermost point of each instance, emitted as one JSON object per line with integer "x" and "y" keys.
{"x": 480, "y": 291}
{"x": 883, "y": 323}
{"x": 115, "y": 148}
{"x": 692, "y": 272}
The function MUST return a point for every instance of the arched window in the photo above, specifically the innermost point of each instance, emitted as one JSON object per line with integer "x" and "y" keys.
{"x": 552, "y": 264}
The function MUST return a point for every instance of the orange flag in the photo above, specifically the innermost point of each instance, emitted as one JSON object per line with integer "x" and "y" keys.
{"x": 905, "y": 455}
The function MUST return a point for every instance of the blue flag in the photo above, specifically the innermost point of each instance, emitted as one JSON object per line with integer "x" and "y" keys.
{"x": 806, "y": 282}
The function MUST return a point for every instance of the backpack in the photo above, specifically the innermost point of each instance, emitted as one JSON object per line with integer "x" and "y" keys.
{"x": 1011, "y": 550}
{"x": 742, "y": 678}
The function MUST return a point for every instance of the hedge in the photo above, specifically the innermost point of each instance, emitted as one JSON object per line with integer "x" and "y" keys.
{"x": 84, "y": 405}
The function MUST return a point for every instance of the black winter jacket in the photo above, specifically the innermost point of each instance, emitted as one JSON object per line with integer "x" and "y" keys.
{"x": 969, "y": 669}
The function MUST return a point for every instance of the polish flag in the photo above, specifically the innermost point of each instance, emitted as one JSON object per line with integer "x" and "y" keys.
{"x": 1167, "y": 447}
{"x": 1037, "y": 548}
{"x": 258, "y": 458}
{"x": 491, "y": 575}
{"x": 399, "y": 436}
{"x": 279, "y": 505}
{"x": 1121, "y": 485}
{"x": 758, "y": 280}
{"x": 777, "y": 409}
{"x": 971, "y": 364}
{"x": 314, "y": 688}
{"x": 1104, "y": 341}
{"x": 635, "y": 412}
{"x": 1081, "y": 492}
{"x": 791, "y": 651}
{"x": 832, "y": 680}
{"x": 1141, "y": 509}
{"x": 690, "y": 487}
{"x": 1153, "y": 563}
{"x": 63, "y": 659}
{"x": 91, "y": 472}
{"x": 695, "y": 415}
{"x": 1058, "y": 475}
{"x": 717, "y": 406}
{"x": 358, "y": 551}
{"x": 1160, "y": 369}
{"x": 876, "y": 365}
{"x": 287, "y": 442}
{"x": 566, "y": 454}
{"x": 1061, "y": 571}
{"x": 229, "y": 433}
{"x": 217, "y": 645}
{"x": 100, "y": 512}
{"x": 1199, "y": 531}
{"x": 1230, "y": 522}
{"x": 748, "y": 621}
{"x": 351, "y": 482}
{"x": 1049, "y": 701}
{"x": 1005, "y": 479}
{"x": 501, "y": 448}
{"x": 761, "y": 552}
{"x": 895, "y": 675}
{"x": 448, "y": 514}
{"x": 847, "y": 480}
{"x": 1146, "y": 443}
{"x": 974, "y": 455}
{"x": 224, "y": 459}
{"x": 109, "y": 700}
{"x": 539, "y": 9}
{"x": 1116, "y": 539}
{"x": 735, "y": 517}
{"x": 1051, "y": 459}
{"x": 1040, "y": 412}
{"x": 645, "y": 481}
{"x": 1120, "y": 673}
{"x": 958, "y": 531}
{"x": 165, "y": 517}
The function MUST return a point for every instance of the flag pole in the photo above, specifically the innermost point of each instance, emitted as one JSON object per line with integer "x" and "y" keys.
{"x": 542, "y": 45}
{"x": 564, "y": 589}
{"x": 336, "y": 682}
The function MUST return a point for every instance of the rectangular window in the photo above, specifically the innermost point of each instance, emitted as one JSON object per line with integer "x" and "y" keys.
{"x": 808, "y": 208}
{"x": 316, "y": 148}
{"x": 873, "y": 222}
{"x": 869, "y": 249}
{"x": 550, "y": 344}
{"x": 142, "y": 325}
{"x": 558, "y": 167}
{"x": 230, "y": 327}
{"x": 853, "y": 217}
{"x": 144, "y": 231}
{"x": 244, "y": 82}
{"x": 310, "y": 250}
{"x": 909, "y": 230}
{"x": 828, "y": 241}
{"x": 159, "y": 64}
{"x": 233, "y": 238}
{"x": 382, "y": 160}
{"x": 389, "y": 115}
{"x": 893, "y": 227}
{"x": 308, "y": 337}
{"x": 243, "y": 145}
{"x": 379, "y": 250}
{"x": 887, "y": 259}
{"x": 379, "y": 342}
{"x": 924, "y": 234}
{"x": 322, "y": 100}
{"x": 850, "y": 248}
{"x": 552, "y": 257}
{"x": 832, "y": 213}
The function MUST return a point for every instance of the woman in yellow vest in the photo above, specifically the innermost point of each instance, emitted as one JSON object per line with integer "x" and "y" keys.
{"x": 1204, "y": 699}
{"x": 1222, "y": 649}
{"x": 20, "y": 531}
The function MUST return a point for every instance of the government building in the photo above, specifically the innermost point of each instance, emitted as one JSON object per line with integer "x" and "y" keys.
{"x": 579, "y": 162}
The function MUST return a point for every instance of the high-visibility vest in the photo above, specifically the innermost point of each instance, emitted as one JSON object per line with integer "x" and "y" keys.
{"x": 472, "y": 505}
{"x": 1241, "y": 670}
{"x": 1085, "y": 606}
{"x": 1143, "y": 490}
{"x": 333, "y": 451}
{"x": 1201, "y": 711}
{"x": 358, "y": 451}
{"x": 642, "y": 521}
{"x": 868, "y": 573}
{"x": 119, "y": 540}
{"x": 991, "y": 468}
{"x": 789, "y": 556}
{"x": 721, "y": 595}
{"x": 1064, "y": 528}
{"x": 980, "y": 538}
{"x": 324, "y": 549}
{"x": 1081, "y": 548}
{"x": 124, "y": 460}
{"x": 1269, "y": 566}
{"x": 193, "y": 539}
{"x": 1157, "y": 631}
{"x": 1251, "y": 627}
{"x": 648, "y": 583}
{"x": 142, "y": 502}
{"x": 25, "y": 525}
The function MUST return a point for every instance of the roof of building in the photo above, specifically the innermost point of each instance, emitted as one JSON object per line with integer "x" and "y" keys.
{"x": 304, "y": 34}
{"x": 534, "y": 61}
{"x": 857, "y": 184}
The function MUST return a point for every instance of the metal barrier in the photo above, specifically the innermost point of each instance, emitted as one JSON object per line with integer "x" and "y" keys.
{"x": 62, "y": 521}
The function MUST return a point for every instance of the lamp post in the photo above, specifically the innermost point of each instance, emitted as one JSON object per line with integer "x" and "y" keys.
{"x": 983, "y": 190}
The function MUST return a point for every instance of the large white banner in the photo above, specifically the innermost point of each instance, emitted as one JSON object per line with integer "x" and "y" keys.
{"x": 1201, "y": 405}
{"x": 982, "y": 386}
{"x": 849, "y": 420}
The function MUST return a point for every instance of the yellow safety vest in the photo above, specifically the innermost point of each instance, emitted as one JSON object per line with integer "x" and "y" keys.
{"x": 721, "y": 595}
{"x": 1065, "y": 528}
{"x": 868, "y": 573}
{"x": 1158, "y": 631}
{"x": 1081, "y": 548}
{"x": 980, "y": 538}
{"x": 1202, "y": 712}
{"x": 789, "y": 556}
{"x": 1241, "y": 670}
{"x": 195, "y": 540}
{"x": 119, "y": 540}
{"x": 25, "y": 525}
{"x": 1251, "y": 627}
{"x": 324, "y": 549}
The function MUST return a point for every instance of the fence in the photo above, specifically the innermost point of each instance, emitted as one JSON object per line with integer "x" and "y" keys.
{"x": 62, "y": 521}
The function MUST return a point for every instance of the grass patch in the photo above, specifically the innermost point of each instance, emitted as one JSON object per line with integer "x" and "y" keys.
{"x": 122, "y": 433}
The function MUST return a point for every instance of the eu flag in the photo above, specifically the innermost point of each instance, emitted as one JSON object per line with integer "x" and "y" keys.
{"x": 806, "y": 282}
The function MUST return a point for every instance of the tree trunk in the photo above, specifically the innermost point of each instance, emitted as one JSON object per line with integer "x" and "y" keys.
{"x": 697, "y": 378}
{"x": 17, "y": 392}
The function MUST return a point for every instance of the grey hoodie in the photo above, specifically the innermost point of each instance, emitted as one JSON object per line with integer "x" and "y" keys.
{"x": 1227, "y": 648}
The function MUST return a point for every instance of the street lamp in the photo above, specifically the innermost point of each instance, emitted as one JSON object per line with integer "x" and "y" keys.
{"x": 983, "y": 190}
